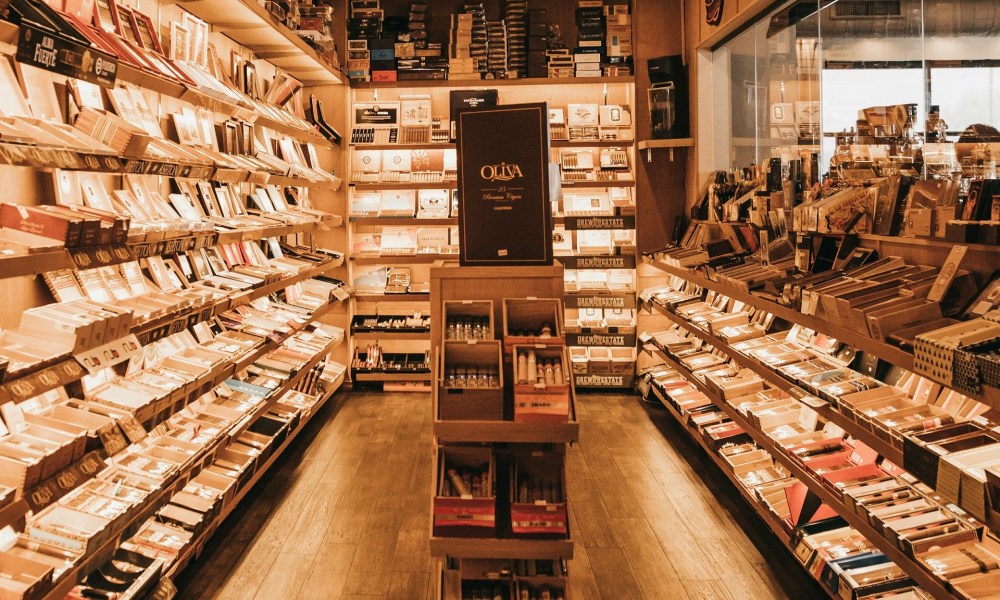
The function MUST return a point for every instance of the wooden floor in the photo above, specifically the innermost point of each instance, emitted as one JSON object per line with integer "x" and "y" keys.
{"x": 345, "y": 514}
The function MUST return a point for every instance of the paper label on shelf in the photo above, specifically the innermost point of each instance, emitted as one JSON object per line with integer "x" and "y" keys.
{"x": 8, "y": 538}
{"x": 110, "y": 354}
{"x": 13, "y": 417}
{"x": 947, "y": 274}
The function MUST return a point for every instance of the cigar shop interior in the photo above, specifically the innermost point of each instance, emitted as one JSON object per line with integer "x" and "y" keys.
{"x": 499, "y": 299}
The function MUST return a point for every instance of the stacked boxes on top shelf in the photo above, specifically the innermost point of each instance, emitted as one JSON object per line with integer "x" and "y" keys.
{"x": 518, "y": 41}
{"x": 517, "y": 37}
{"x": 538, "y": 35}
{"x": 589, "y": 38}
{"x": 461, "y": 65}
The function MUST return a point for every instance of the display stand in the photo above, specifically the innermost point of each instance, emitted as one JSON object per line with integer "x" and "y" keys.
{"x": 458, "y": 286}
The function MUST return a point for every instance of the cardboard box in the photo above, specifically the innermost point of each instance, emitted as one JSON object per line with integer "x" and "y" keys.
{"x": 540, "y": 400}
{"x": 458, "y": 401}
{"x": 466, "y": 515}
{"x": 526, "y": 320}
{"x": 538, "y": 506}
{"x": 478, "y": 310}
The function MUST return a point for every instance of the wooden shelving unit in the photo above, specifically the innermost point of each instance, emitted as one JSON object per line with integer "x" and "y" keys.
{"x": 247, "y": 22}
{"x": 894, "y": 454}
{"x": 915, "y": 570}
{"x": 250, "y": 25}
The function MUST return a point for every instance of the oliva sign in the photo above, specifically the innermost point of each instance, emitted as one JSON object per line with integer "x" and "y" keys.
{"x": 501, "y": 172}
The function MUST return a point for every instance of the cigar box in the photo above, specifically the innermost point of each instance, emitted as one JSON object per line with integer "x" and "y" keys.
{"x": 23, "y": 578}
{"x": 622, "y": 360}
{"x": 467, "y": 311}
{"x": 804, "y": 506}
{"x": 934, "y": 351}
{"x": 906, "y": 314}
{"x": 962, "y": 479}
{"x": 159, "y": 540}
{"x": 723, "y": 434}
{"x": 579, "y": 359}
{"x": 853, "y": 404}
{"x": 459, "y": 394}
{"x": 538, "y": 506}
{"x": 208, "y": 485}
{"x": 467, "y": 510}
{"x": 865, "y": 581}
{"x": 919, "y": 540}
{"x": 532, "y": 321}
{"x": 823, "y": 534}
{"x": 961, "y": 561}
{"x": 979, "y": 585}
{"x": 547, "y": 398}
{"x": 68, "y": 528}
{"x": 922, "y": 451}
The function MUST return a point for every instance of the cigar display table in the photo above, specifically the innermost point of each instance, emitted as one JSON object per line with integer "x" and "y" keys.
{"x": 498, "y": 528}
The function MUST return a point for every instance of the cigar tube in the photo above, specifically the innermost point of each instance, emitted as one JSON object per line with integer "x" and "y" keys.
{"x": 477, "y": 487}
{"x": 537, "y": 490}
{"x": 456, "y": 480}
{"x": 549, "y": 376}
{"x": 522, "y": 368}
{"x": 821, "y": 449}
{"x": 549, "y": 498}
{"x": 557, "y": 374}
{"x": 522, "y": 490}
{"x": 532, "y": 367}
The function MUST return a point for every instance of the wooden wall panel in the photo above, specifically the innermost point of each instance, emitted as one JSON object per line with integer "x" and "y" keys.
{"x": 660, "y": 183}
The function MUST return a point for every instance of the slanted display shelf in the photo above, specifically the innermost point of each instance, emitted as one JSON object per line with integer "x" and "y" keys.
{"x": 990, "y": 396}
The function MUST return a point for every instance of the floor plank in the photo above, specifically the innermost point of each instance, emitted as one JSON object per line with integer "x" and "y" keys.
{"x": 652, "y": 570}
{"x": 614, "y": 574}
{"x": 329, "y": 572}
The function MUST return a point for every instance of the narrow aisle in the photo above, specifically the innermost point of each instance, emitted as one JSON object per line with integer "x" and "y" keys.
{"x": 346, "y": 514}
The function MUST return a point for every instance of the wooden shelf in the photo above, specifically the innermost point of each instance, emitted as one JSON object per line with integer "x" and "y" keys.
{"x": 391, "y": 376}
{"x": 674, "y": 143}
{"x": 598, "y": 184}
{"x": 175, "y": 89}
{"x": 403, "y": 221}
{"x": 591, "y": 143}
{"x": 895, "y": 455}
{"x": 195, "y": 547}
{"x": 397, "y": 185}
{"x": 67, "y": 369}
{"x": 493, "y": 548}
{"x": 937, "y": 244}
{"x": 392, "y": 335}
{"x": 154, "y": 501}
{"x": 922, "y": 577}
{"x": 897, "y": 356}
{"x": 860, "y": 341}
{"x": 412, "y": 259}
{"x": 249, "y": 24}
{"x": 424, "y": 146}
{"x": 489, "y": 83}
{"x": 19, "y": 265}
{"x": 392, "y": 297}
{"x": 769, "y": 518}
